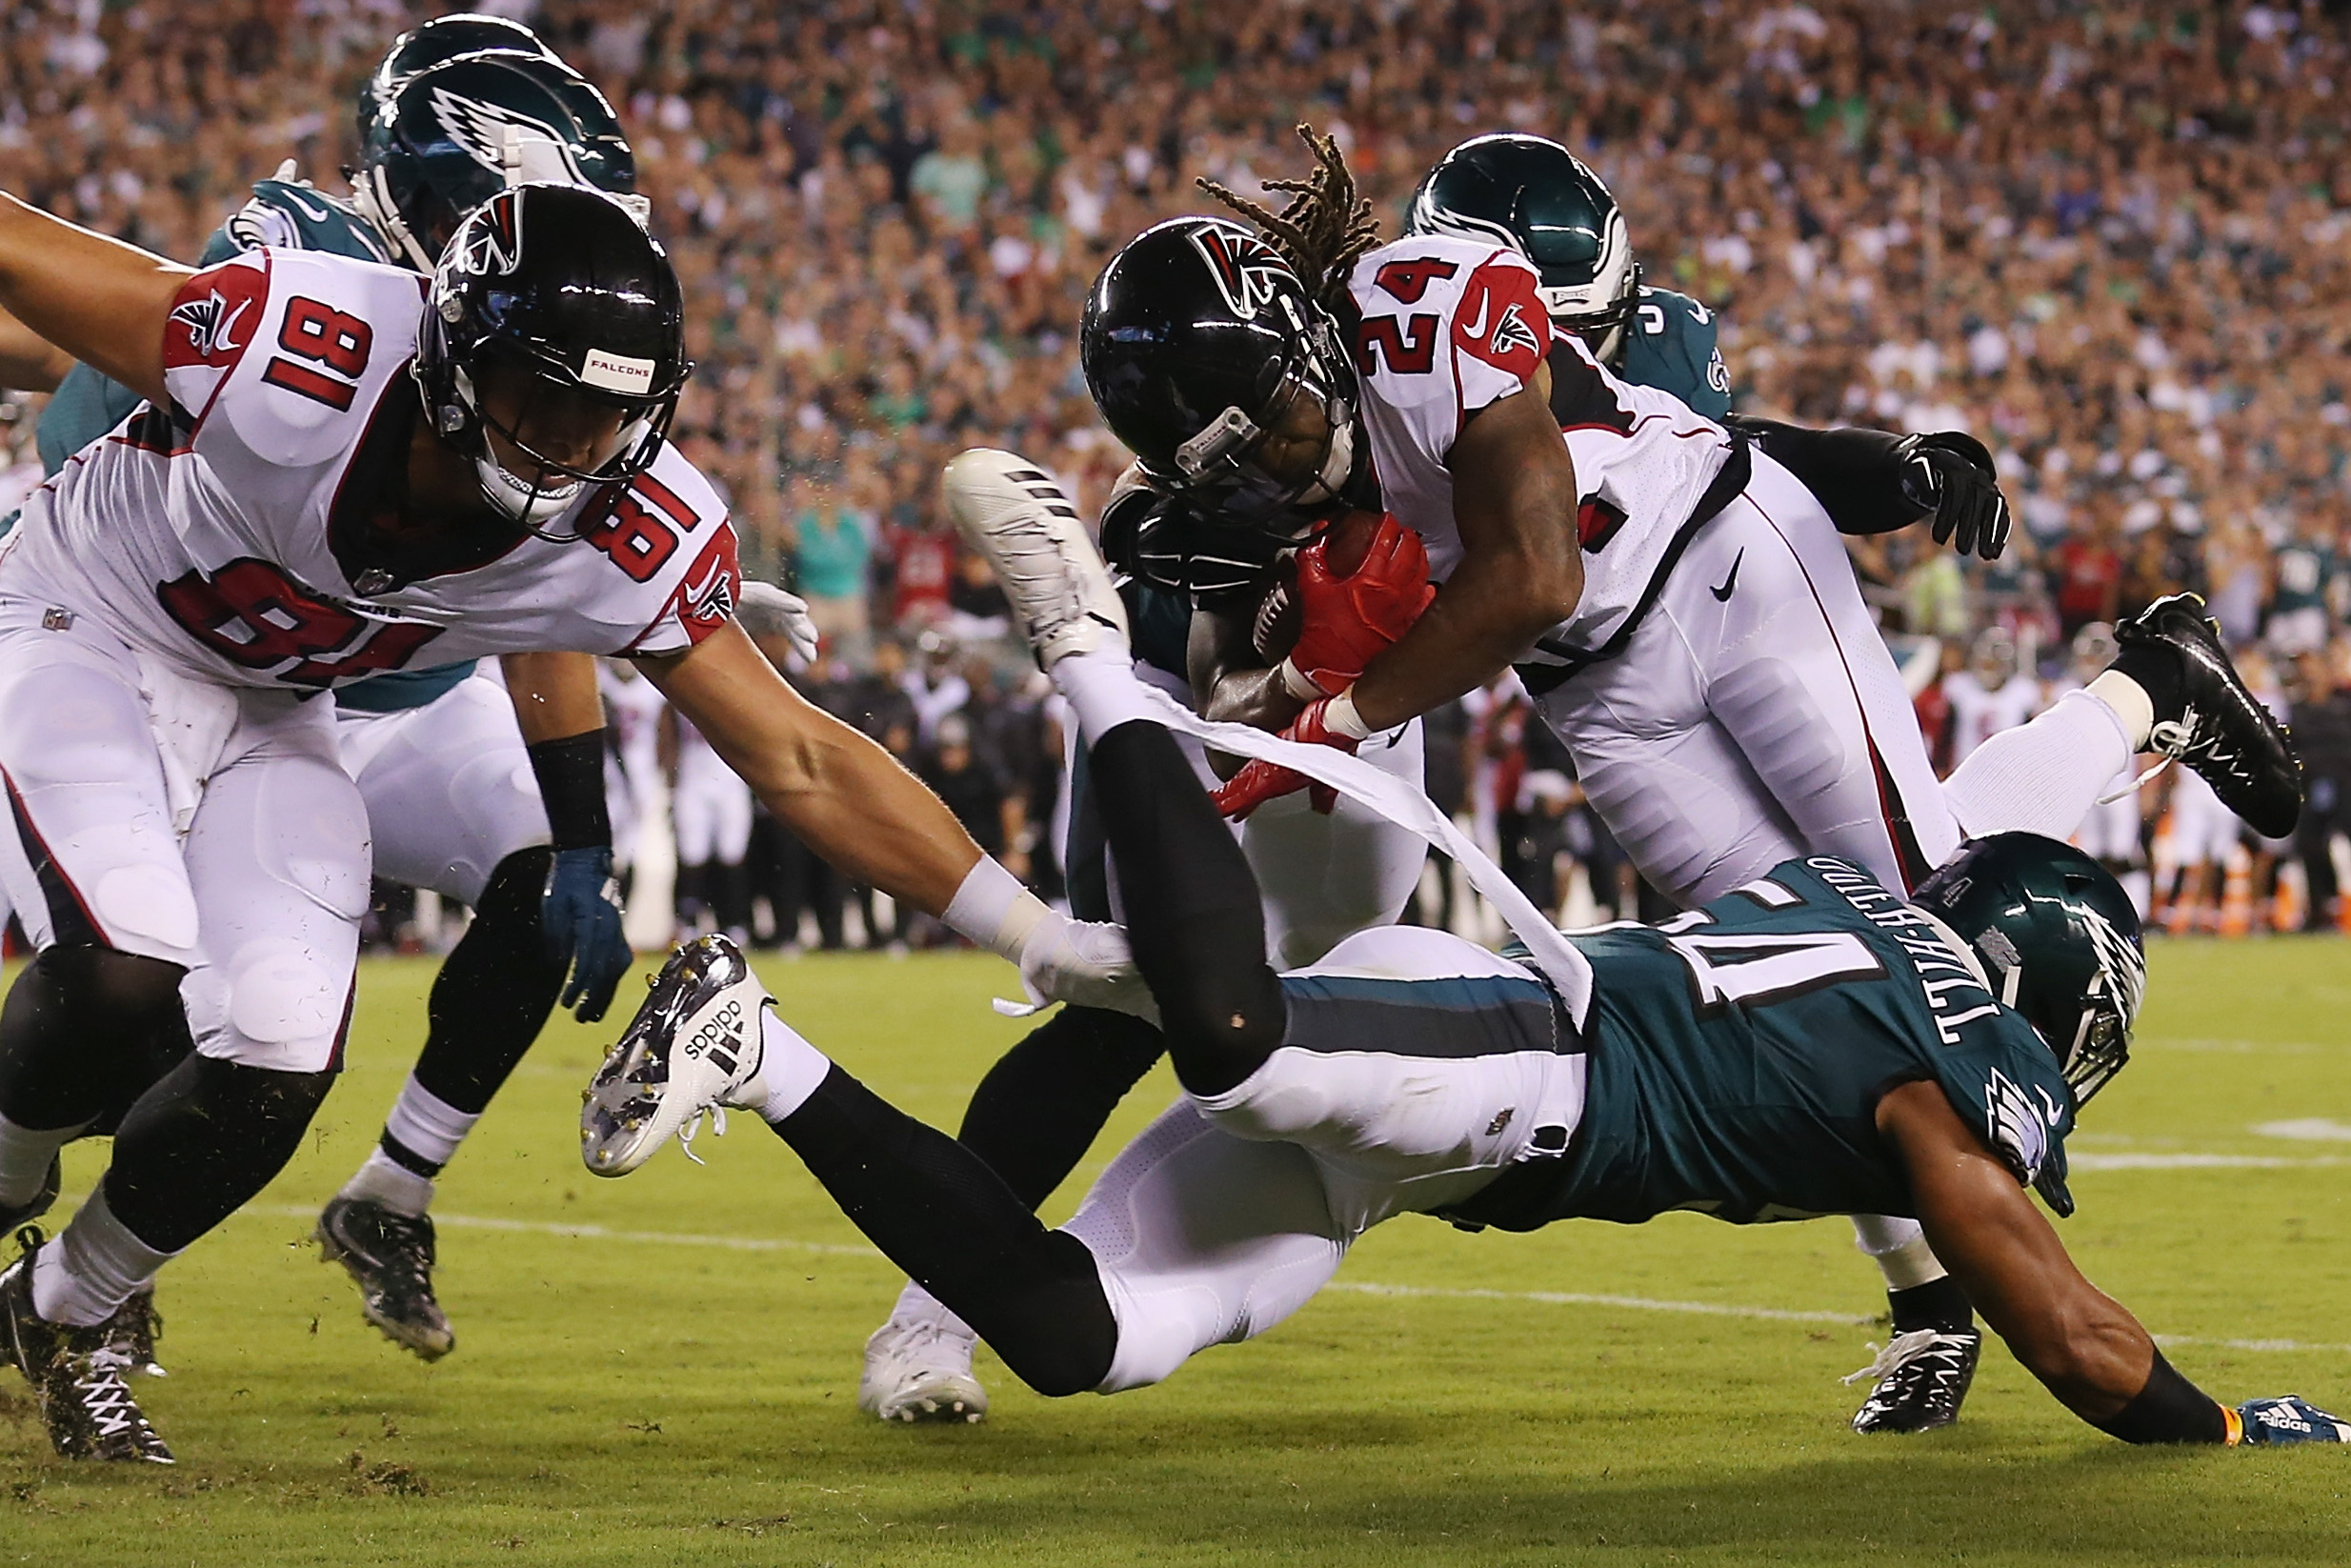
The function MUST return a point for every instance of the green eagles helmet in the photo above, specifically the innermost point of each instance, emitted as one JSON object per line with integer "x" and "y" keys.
{"x": 443, "y": 38}
{"x": 1537, "y": 197}
{"x": 456, "y": 134}
{"x": 2059, "y": 940}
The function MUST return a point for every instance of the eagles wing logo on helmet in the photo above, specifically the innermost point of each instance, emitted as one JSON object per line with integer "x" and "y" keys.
{"x": 1246, "y": 270}
{"x": 482, "y": 128}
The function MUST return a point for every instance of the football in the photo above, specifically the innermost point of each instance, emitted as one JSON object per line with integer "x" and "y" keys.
{"x": 1274, "y": 629}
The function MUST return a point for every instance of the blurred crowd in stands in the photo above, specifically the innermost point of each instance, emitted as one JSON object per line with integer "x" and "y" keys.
{"x": 2114, "y": 241}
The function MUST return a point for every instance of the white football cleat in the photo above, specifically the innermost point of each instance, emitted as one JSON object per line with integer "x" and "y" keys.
{"x": 1012, "y": 512}
{"x": 693, "y": 1048}
{"x": 919, "y": 1369}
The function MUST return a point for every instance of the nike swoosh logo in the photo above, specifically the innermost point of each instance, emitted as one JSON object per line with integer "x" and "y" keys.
{"x": 1485, "y": 306}
{"x": 1723, "y": 593}
{"x": 318, "y": 214}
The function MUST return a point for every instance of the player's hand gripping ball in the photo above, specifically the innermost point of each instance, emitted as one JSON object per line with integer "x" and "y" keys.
{"x": 1355, "y": 590}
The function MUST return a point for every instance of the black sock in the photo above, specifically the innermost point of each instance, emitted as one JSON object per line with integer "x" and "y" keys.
{"x": 1043, "y": 1103}
{"x": 1939, "y": 1304}
{"x": 199, "y": 1144}
{"x": 493, "y": 993}
{"x": 1192, "y": 909}
{"x": 85, "y": 1031}
{"x": 939, "y": 1212}
{"x": 2156, "y": 668}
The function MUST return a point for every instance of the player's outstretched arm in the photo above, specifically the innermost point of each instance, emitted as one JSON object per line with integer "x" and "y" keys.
{"x": 1513, "y": 496}
{"x": 29, "y": 362}
{"x": 850, "y": 802}
{"x": 101, "y": 301}
{"x": 2081, "y": 1344}
{"x": 845, "y": 796}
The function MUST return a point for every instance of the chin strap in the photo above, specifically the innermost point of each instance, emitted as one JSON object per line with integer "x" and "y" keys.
{"x": 374, "y": 203}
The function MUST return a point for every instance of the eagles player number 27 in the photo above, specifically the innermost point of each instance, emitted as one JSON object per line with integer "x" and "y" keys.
{"x": 324, "y": 336}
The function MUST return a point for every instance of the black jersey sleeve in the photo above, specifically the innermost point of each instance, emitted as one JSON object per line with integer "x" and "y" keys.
{"x": 1857, "y": 475}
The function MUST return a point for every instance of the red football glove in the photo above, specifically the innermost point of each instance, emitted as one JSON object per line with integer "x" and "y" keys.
{"x": 1259, "y": 781}
{"x": 1345, "y": 621}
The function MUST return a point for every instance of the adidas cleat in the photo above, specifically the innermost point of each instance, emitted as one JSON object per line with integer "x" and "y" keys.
{"x": 1012, "y": 512}
{"x": 389, "y": 1255}
{"x": 2224, "y": 731}
{"x": 919, "y": 1369}
{"x": 77, "y": 1375}
{"x": 693, "y": 1048}
{"x": 1922, "y": 1379}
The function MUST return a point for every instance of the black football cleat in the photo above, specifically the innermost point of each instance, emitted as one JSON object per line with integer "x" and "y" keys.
{"x": 77, "y": 1373}
{"x": 1922, "y": 1379}
{"x": 389, "y": 1256}
{"x": 2222, "y": 732}
{"x": 134, "y": 1328}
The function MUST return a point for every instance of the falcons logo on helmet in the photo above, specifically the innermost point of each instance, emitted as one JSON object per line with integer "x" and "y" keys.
{"x": 1246, "y": 270}
{"x": 488, "y": 130}
{"x": 491, "y": 244}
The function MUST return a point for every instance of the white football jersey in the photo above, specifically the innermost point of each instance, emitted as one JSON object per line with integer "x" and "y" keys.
{"x": 229, "y": 534}
{"x": 1978, "y": 713}
{"x": 1449, "y": 327}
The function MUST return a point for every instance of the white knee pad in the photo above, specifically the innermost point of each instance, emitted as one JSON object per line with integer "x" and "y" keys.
{"x": 273, "y": 1004}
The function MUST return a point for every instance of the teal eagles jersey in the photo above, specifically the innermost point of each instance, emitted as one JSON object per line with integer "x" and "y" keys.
{"x": 287, "y": 216}
{"x": 1669, "y": 345}
{"x": 2302, "y": 571}
{"x": 1736, "y": 1054}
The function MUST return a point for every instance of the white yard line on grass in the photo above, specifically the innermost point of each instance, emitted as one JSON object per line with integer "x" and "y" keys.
{"x": 1357, "y": 1287}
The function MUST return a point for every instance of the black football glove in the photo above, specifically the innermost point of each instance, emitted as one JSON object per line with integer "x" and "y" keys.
{"x": 1949, "y": 473}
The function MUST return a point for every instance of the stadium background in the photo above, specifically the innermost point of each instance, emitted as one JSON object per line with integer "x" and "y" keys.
{"x": 2106, "y": 239}
{"x": 2113, "y": 241}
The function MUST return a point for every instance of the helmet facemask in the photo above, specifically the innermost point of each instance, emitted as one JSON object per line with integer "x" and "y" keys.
{"x": 531, "y": 487}
{"x": 1242, "y": 469}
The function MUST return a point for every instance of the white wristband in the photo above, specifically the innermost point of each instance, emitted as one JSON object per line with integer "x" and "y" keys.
{"x": 1294, "y": 681}
{"x": 1340, "y": 717}
{"x": 993, "y": 909}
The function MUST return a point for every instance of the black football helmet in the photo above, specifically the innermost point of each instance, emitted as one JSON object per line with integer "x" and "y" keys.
{"x": 454, "y": 133}
{"x": 427, "y": 44}
{"x": 1198, "y": 342}
{"x": 1537, "y": 197}
{"x": 561, "y": 282}
{"x": 2059, "y": 942}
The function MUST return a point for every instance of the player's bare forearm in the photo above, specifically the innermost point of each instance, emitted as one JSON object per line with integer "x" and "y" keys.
{"x": 554, "y": 694}
{"x": 838, "y": 792}
{"x": 2081, "y": 1344}
{"x": 29, "y": 362}
{"x": 1231, "y": 682}
{"x": 1514, "y": 491}
{"x": 99, "y": 300}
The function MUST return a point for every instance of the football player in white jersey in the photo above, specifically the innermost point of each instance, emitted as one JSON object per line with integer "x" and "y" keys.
{"x": 459, "y": 797}
{"x": 1992, "y": 694}
{"x": 1678, "y": 603}
{"x": 341, "y": 469}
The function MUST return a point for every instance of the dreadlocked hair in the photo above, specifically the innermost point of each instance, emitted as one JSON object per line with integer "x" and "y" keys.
{"x": 1324, "y": 226}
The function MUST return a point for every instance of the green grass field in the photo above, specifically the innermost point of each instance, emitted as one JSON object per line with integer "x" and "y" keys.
{"x": 662, "y": 1369}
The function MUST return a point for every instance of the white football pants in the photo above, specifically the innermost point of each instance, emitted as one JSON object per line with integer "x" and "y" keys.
{"x": 207, "y": 826}
{"x": 1227, "y": 1214}
{"x": 449, "y": 788}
